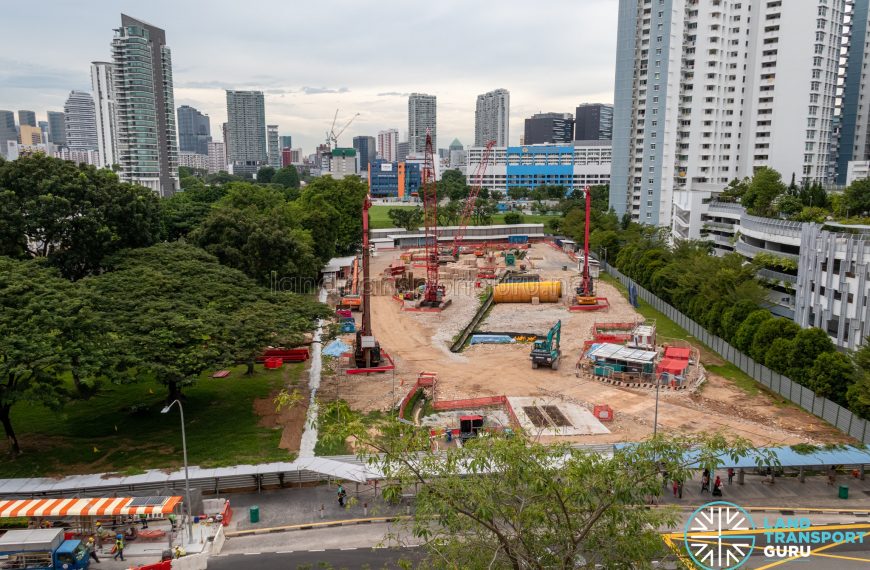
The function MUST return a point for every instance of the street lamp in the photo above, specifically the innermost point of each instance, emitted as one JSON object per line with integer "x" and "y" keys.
{"x": 186, "y": 480}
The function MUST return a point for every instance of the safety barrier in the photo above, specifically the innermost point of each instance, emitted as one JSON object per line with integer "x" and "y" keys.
{"x": 836, "y": 415}
{"x": 483, "y": 402}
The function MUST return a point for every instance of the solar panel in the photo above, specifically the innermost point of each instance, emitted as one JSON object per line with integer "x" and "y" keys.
{"x": 147, "y": 501}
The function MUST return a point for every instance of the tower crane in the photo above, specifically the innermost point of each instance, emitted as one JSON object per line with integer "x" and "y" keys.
{"x": 476, "y": 183}
{"x": 332, "y": 136}
{"x": 433, "y": 293}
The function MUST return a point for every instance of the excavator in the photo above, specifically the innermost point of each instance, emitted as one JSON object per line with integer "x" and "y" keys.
{"x": 547, "y": 352}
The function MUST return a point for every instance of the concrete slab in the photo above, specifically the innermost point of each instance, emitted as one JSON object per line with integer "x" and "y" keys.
{"x": 581, "y": 420}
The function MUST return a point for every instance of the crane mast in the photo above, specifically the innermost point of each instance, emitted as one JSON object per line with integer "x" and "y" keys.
{"x": 476, "y": 184}
{"x": 433, "y": 293}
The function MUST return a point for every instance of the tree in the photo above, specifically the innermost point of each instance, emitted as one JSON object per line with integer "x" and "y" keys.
{"x": 173, "y": 312}
{"x": 517, "y": 193}
{"x": 808, "y": 345}
{"x": 858, "y": 395}
{"x": 856, "y": 197}
{"x": 182, "y": 212}
{"x": 407, "y": 218}
{"x": 769, "y": 331}
{"x": 788, "y": 205}
{"x": 513, "y": 218}
{"x": 288, "y": 177}
{"x": 513, "y": 502}
{"x": 734, "y": 316}
{"x": 453, "y": 185}
{"x": 72, "y": 215}
{"x": 830, "y": 376}
{"x": 36, "y": 303}
{"x": 765, "y": 187}
{"x": 736, "y": 189}
{"x": 346, "y": 196}
{"x": 265, "y": 174}
{"x": 778, "y": 357}
{"x": 746, "y": 331}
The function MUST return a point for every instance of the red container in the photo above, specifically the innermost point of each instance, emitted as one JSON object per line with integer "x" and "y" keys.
{"x": 604, "y": 413}
{"x": 274, "y": 362}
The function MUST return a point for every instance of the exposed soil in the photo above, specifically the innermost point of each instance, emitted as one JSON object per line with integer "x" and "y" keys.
{"x": 291, "y": 420}
{"x": 419, "y": 342}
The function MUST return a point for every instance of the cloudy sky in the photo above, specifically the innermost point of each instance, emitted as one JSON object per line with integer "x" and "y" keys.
{"x": 311, "y": 58}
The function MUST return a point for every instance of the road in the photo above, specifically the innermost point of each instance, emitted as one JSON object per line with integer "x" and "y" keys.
{"x": 353, "y": 558}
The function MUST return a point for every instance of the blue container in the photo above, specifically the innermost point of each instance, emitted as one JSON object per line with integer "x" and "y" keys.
{"x": 518, "y": 239}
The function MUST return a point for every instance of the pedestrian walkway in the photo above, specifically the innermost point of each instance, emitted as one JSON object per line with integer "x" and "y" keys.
{"x": 302, "y": 506}
{"x": 787, "y": 493}
{"x": 309, "y": 434}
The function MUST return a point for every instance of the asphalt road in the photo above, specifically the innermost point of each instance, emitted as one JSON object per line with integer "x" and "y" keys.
{"x": 351, "y": 559}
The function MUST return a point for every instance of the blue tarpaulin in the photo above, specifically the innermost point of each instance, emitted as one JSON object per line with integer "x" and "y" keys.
{"x": 336, "y": 348}
{"x": 788, "y": 457}
{"x": 491, "y": 339}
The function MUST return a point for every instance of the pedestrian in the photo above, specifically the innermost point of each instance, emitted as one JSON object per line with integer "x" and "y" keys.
{"x": 676, "y": 487}
{"x": 92, "y": 549}
{"x": 705, "y": 482}
{"x": 730, "y": 475}
{"x": 119, "y": 547}
{"x": 172, "y": 520}
{"x": 832, "y": 475}
{"x": 717, "y": 487}
{"x": 101, "y": 535}
{"x": 342, "y": 494}
{"x": 144, "y": 519}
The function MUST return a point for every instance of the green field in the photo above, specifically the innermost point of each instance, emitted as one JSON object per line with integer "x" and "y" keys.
{"x": 379, "y": 218}
{"x": 121, "y": 428}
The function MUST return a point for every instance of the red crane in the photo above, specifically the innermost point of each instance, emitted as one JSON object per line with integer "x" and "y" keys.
{"x": 476, "y": 183}
{"x": 433, "y": 293}
{"x": 586, "y": 288}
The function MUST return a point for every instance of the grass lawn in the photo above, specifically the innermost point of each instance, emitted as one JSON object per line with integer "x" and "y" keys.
{"x": 379, "y": 218}
{"x": 122, "y": 429}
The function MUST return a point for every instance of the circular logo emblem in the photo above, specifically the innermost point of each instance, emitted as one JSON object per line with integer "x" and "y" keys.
{"x": 717, "y": 538}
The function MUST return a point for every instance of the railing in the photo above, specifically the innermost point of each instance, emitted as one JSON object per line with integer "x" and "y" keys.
{"x": 725, "y": 207}
{"x": 784, "y": 228}
{"x": 752, "y": 251}
{"x": 720, "y": 225}
{"x": 776, "y": 275}
{"x": 833, "y": 413}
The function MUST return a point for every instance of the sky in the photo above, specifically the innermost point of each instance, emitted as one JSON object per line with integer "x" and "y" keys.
{"x": 311, "y": 58}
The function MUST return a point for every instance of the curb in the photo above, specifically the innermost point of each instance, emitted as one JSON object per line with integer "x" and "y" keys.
{"x": 310, "y": 526}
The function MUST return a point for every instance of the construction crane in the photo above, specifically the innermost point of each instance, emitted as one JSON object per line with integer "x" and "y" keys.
{"x": 367, "y": 350}
{"x": 433, "y": 293}
{"x": 476, "y": 183}
{"x": 332, "y": 136}
{"x": 584, "y": 298}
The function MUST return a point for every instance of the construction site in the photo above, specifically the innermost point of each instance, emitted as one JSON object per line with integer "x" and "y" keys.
{"x": 521, "y": 333}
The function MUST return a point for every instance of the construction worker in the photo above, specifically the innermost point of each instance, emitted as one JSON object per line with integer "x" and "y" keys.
{"x": 119, "y": 547}
{"x": 92, "y": 549}
{"x": 101, "y": 535}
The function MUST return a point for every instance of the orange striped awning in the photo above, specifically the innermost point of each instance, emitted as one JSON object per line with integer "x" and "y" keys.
{"x": 91, "y": 507}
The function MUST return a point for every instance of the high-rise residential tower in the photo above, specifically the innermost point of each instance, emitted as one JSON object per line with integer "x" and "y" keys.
{"x": 853, "y": 143}
{"x": 365, "y": 151}
{"x": 80, "y": 121}
{"x": 422, "y": 115}
{"x": 273, "y": 141}
{"x": 56, "y": 128}
{"x": 27, "y": 118}
{"x": 388, "y": 140}
{"x": 246, "y": 131}
{"x": 593, "y": 122}
{"x": 144, "y": 106}
{"x": 492, "y": 118}
{"x": 286, "y": 142}
{"x": 545, "y": 128}
{"x": 194, "y": 130}
{"x": 707, "y": 92}
{"x": 104, "y": 105}
{"x": 29, "y": 135}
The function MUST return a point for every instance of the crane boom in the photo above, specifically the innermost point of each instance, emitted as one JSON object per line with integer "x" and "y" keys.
{"x": 476, "y": 184}
{"x": 586, "y": 287}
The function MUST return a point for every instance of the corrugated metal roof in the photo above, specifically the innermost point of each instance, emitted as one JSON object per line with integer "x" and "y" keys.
{"x": 620, "y": 352}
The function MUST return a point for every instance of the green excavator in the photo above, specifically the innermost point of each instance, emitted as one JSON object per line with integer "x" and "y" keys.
{"x": 547, "y": 352}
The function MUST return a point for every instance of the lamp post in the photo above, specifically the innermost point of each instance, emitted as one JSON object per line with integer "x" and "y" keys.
{"x": 186, "y": 480}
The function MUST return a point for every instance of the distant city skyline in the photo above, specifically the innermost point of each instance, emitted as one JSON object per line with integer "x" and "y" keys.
{"x": 302, "y": 92}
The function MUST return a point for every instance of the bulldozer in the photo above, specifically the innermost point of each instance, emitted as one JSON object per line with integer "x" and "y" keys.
{"x": 547, "y": 352}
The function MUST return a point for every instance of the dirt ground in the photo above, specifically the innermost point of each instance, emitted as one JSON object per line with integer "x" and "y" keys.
{"x": 291, "y": 421}
{"x": 420, "y": 342}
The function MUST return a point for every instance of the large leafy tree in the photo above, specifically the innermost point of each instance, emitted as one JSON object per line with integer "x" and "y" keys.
{"x": 856, "y": 197}
{"x": 769, "y": 331}
{"x": 808, "y": 345}
{"x": 512, "y": 502}
{"x": 830, "y": 376}
{"x": 36, "y": 304}
{"x": 452, "y": 185}
{"x": 175, "y": 312}
{"x": 288, "y": 177}
{"x": 73, "y": 215}
{"x": 407, "y": 218}
{"x": 346, "y": 197}
{"x": 761, "y": 194}
{"x": 184, "y": 211}
{"x": 253, "y": 230}
{"x": 746, "y": 331}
